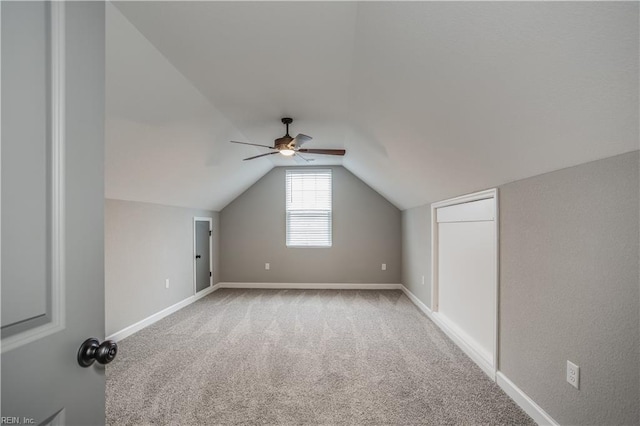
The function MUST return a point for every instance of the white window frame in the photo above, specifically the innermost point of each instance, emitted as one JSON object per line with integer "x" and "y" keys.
{"x": 288, "y": 211}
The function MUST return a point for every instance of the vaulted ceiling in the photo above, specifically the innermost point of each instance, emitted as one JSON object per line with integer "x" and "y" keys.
{"x": 430, "y": 99}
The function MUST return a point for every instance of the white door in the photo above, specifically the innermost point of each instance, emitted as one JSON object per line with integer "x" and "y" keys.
{"x": 52, "y": 211}
{"x": 466, "y": 255}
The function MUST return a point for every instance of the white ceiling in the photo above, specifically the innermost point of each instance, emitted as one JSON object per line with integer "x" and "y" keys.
{"x": 430, "y": 99}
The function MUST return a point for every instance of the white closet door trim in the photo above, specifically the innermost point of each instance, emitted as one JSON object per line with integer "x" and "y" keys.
{"x": 488, "y": 193}
{"x": 473, "y": 211}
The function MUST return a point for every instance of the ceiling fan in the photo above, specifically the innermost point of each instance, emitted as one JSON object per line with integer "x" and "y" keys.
{"x": 289, "y": 146}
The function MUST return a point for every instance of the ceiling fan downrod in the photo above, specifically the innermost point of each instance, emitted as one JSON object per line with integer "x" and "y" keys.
{"x": 286, "y": 121}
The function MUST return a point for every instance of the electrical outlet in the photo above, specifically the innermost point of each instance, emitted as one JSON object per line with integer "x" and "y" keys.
{"x": 267, "y": 266}
{"x": 573, "y": 374}
{"x": 384, "y": 266}
{"x": 423, "y": 280}
{"x": 166, "y": 283}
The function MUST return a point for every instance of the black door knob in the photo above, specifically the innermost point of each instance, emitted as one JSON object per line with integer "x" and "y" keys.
{"x": 92, "y": 350}
{"x": 198, "y": 256}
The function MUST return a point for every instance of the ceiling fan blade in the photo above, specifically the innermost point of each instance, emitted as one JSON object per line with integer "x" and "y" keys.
{"x": 302, "y": 160}
{"x": 261, "y": 155}
{"x": 253, "y": 144}
{"x": 323, "y": 151}
{"x": 301, "y": 139}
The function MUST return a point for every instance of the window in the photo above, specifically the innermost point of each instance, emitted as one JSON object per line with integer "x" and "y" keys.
{"x": 308, "y": 208}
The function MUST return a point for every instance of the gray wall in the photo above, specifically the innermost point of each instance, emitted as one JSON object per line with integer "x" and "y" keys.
{"x": 569, "y": 290}
{"x": 416, "y": 252}
{"x": 569, "y": 287}
{"x": 366, "y": 233}
{"x": 145, "y": 244}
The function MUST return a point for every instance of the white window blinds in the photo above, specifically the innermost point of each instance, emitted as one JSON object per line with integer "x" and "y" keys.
{"x": 308, "y": 205}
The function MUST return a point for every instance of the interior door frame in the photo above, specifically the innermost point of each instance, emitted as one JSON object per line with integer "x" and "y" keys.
{"x": 490, "y": 370}
{"x": 195, "y": 220}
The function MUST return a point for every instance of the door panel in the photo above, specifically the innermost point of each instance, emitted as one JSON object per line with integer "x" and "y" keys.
{"x": 465, "y": 283}
{"x": 25, "y": 156}
{"x": 52, "y": 223}
{"x": 203, "y": 250}
{"x": 466, "y": 266}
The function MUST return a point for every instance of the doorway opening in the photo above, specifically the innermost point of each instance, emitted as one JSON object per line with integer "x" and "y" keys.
{"x": 202, "y": 253}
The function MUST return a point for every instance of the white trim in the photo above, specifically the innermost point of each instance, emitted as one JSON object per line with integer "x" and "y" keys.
{"x": 57, "y": 323}
{"x": 458, "y": 337}
{"x": 312, "y": 286}
{"x": 466, "y": 343}
{"x": 434, "y": 260}
{"x": 524, "y": 401}
{"x": 467, "y": 198}
{"x": 516, "y": 394}
{"x": 453, "y": 334}
{"x": 134, "y": 328}
{"x": 210, "y": 220}
{"x": 476, "y": 211}
{"x": 496, "y": 296}
{"x": 419, "y": 304}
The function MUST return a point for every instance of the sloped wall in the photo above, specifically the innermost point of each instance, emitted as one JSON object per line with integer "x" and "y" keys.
{"x": 366, "y": 233}
{"x": 165, "y": 142}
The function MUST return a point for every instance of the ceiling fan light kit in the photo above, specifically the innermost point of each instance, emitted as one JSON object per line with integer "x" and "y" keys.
{"x": 289, "y": 147}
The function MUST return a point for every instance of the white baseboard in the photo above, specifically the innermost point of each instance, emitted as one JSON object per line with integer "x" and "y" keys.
{"x": 524, "y": 401}
{"x": 313, "y": 286}
{"x": 465, "y": 343}
{"x": 515, "y": 393}
{"x": 424, "y": 308}
{"x": 134, "y": 328}
{"x": 476, "y": 356}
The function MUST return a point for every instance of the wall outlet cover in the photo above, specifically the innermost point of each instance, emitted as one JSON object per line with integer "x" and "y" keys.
{"x": 267, "y": 266}
{"x": 573, "y": 374}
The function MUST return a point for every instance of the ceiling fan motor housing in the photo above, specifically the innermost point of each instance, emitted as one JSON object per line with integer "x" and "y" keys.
{"x": 282, "y": 143}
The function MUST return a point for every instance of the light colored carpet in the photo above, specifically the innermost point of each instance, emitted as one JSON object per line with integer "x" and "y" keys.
{"x": 300, "y": 357}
